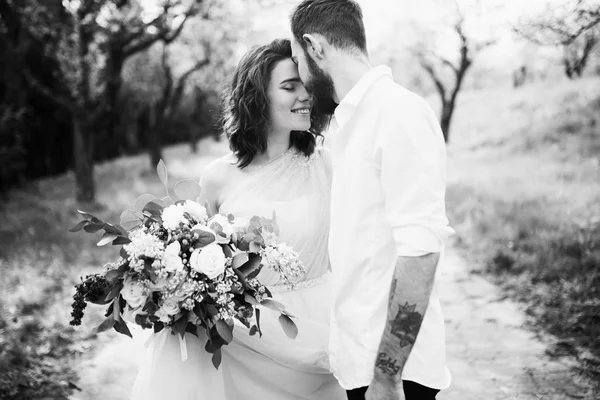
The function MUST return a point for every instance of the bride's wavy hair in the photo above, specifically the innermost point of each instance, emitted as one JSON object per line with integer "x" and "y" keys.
{"x": 245, "y": 105}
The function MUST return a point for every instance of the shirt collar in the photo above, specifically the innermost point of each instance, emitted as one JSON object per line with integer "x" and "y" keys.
{"x": 350, "y": 102}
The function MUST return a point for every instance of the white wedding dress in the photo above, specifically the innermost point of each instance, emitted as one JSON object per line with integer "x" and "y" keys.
{"x": 271, "y": 367}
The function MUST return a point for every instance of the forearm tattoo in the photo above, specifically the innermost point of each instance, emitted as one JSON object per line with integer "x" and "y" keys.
{"x": 406, "y": 324}
{"x": 387, "y": 364}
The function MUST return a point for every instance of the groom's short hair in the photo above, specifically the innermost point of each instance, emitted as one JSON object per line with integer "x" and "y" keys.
{"x": 339, "y": 21}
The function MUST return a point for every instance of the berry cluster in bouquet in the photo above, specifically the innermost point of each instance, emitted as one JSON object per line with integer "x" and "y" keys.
{"x": 184, "y": 269}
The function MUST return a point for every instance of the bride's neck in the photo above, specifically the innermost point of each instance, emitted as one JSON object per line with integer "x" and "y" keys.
{"x": 277, "y": 144}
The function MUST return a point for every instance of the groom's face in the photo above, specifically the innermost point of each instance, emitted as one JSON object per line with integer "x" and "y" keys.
{"x": 317, "y": 82}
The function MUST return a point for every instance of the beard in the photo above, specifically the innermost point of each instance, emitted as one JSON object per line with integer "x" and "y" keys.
{"x": 320, "y": 86}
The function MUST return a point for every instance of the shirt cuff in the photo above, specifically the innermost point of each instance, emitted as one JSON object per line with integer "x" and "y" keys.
{"x": 416, "y": 240}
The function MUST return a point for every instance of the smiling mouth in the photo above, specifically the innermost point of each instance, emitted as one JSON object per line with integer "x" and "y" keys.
{"x": 301, "y": 111}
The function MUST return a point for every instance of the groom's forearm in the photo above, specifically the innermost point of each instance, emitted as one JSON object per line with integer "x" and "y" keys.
{"x": 409, "y": 296}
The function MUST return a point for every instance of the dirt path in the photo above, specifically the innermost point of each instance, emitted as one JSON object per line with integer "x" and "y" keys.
{"x": 490, "y": 354}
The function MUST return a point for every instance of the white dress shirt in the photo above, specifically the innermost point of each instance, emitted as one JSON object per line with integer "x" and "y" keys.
{"x": 389, "y": 174}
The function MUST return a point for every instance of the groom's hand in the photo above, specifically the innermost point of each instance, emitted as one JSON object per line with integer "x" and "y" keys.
{"x": 385, "y": 389}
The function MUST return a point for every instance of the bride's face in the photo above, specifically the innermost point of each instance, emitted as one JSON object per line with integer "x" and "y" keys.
{"x": 289, "y": 103}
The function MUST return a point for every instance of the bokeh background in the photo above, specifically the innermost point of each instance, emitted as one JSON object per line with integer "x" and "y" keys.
{"x": 94, "y": 92}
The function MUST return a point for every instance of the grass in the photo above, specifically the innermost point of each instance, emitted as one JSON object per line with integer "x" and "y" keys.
{"x": 524, "y": 197}
{"x": 40, "y": 262}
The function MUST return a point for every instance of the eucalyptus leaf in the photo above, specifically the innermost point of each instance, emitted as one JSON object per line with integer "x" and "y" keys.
{"x": 250, "y": 299}
{"x": 204, "y": 238}
{"x": 121, "y": 240}
{"x": 79, "y": 226}
{"x": 121, "y": 327}
{"x": 142, "y": 200}
{"x": 225, "y": 331}
{"x": 187, "y": 189}
{"x": 217, "y": 358}
{"x": 161, "y": 169}
{"x": 179, "y": 326}
{"x": 93, "y": 227}
{"x": 289, "y": 327}
{"x": 251, "y": 265}
{"x": 114, "y": 292}
{"x": 90, "y": 216}
{"x": 273, "y": 305}
{"x": 154, "y": 208}
{"x": 107, "y": 238}
{"x": 129, "y": 225}
{"x": 105, "y": 325}
{"x": 239, "y": 260}
{"x": 258, "y": 322}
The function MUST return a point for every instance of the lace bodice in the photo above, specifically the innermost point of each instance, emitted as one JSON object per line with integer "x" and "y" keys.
{"x": 297, "y": 189}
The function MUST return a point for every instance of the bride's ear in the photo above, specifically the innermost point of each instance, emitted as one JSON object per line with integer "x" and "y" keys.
{"x": 314, "y": 45}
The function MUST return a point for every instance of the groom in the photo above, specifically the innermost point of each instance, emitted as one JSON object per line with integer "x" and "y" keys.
{"x": 388, "y": 220}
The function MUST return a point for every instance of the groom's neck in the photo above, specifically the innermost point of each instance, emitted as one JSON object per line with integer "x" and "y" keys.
{"x": 346, "y": 71}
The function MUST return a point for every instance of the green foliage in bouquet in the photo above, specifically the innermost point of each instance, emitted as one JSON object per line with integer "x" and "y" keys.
{"x": 184, "y": 268}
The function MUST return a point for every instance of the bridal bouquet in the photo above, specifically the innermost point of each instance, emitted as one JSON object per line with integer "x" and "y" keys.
{"x": 184, "y": 269}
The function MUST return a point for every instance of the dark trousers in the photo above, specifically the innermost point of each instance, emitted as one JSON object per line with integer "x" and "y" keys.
{"x": 412, "y": 391}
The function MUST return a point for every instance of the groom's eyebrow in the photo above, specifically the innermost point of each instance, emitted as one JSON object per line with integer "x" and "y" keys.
{"x": 290, "y": 80}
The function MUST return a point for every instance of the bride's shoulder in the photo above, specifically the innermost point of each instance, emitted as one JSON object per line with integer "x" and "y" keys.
{"x": 216, "y": 173}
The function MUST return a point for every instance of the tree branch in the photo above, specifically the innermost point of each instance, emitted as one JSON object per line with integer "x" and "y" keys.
{"x": 36, "y": 84}
{"x": 438, "y": 83}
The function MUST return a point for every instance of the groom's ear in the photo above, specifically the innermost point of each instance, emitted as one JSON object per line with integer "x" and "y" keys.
{"x": 314, "y": 45}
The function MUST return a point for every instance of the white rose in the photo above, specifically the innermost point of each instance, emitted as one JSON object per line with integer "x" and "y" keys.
{"x": 197, "y": 211}
{"x": 169, "y": 307}
{"x": 209, "y": 260}
{"x": 172, "y": 216}
{"x": 163, "y": 316}
{"x": 171, "y": 257}
{"x": 133, "y": 292}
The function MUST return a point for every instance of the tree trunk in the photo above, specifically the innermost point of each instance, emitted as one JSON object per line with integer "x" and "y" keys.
{"x": 85, "y": 190}
{"x": 446, "y": 119}
{"x": 154, "y": 134}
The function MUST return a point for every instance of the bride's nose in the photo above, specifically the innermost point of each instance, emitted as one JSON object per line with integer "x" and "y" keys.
{"x": 303, "y": 95}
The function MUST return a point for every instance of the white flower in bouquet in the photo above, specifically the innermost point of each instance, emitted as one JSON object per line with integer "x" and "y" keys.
{"x": 171, "y": 259}
{"x": 270, "y": 238}
{"x": 284, "y": 260}
{"x": 195, "y": 210}
{"x": 184, "y": 291}
{"x": 133, "y": 292}
{"x": 209, "y": 260}
{"x": 143, "y": 245}
{"x": 168, "y": 309}
{"x": 172, "y": 216}
{"x": 228, "y": 229}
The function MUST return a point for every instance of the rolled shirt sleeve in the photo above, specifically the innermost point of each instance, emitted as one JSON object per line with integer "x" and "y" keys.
{"x": 412, "y": 160}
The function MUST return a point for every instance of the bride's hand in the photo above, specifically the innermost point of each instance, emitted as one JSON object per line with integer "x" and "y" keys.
{"x": 385, "y": 390}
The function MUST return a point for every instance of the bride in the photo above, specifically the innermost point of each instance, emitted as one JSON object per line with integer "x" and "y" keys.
{"x": 275, "y": 167}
